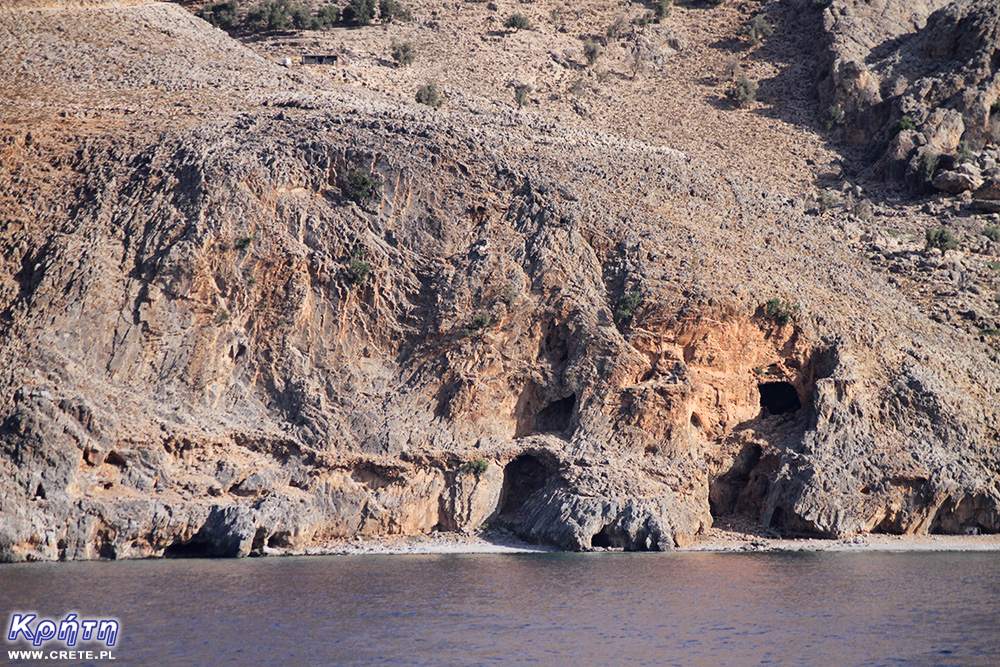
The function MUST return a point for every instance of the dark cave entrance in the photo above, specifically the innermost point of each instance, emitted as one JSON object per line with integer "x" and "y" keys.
{"x": 779, "y": 398}
{"x": 603, "y": 538}
{"x": 556, "y": 416}
{"x": 522, "y": 478}
{"x": 192, "y": 549}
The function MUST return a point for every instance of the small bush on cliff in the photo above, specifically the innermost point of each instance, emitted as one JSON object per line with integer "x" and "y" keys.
{"x": 404, "y": 53}
{"x": 780, "y": 311}
{"x": 927, "y": 164}
{"x": 992, "y": 232}
{"x": 243, "y": 242}
{"x": 743, "y": 92}
{"x": 834, "y": 115}
{"x": 518, "y": 22}
{"x": 627, "y": 306}
{"x": 477, "y": 467}
{"x": 758, "y": 29}
{"x": 521, "y": 92}
{"x": 940, "y": 238}
{"x": 905, "y": 123}
{"x": 358, "y": 269}
{"x": 220, "y": 14}
{"x": 591, "y": 51}
{"x": 430, "y": 95}
{"x": 361, "y": 184}
{"x": 479, "y": 325}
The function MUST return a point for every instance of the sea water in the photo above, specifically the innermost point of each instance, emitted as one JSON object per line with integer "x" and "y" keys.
{"x": 868, "y": 608}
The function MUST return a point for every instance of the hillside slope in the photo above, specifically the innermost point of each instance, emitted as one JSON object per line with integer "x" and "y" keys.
{"x": 217, "y": 339}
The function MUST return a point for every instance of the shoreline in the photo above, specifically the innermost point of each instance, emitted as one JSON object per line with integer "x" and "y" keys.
{"x": 718, "y": 540}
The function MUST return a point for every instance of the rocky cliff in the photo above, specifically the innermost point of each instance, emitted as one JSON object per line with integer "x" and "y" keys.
{"x": 246, "y": 309}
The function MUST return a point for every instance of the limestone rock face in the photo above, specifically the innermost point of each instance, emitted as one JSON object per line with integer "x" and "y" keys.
{"x": 258, "y": 312}
{"x": 933, "y": 61}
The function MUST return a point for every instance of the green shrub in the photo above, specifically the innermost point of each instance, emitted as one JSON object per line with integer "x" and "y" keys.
{"x": 616, "y": 29}
{"x": 326, "y": 17}
{"x": 905, "y": 123}
{"x": 479, "y": 325}
{"x": 992, "y": 232}
{"x": 359, "y": 12}
{"x": 591, "y": 51}
{"x": 832, "y": 116}
{"x": 477, "y": 467}
{"x": 663, "y": 9}
{"x": 758, "y": 30}
{"x": 743, "y": 92}
{"x": 404, "y": 53}
{"x": 518, "y": 21}
{"x": 780, "y": 311}
{"x": 996, "y": 267}
{"x": 509, "y": 294}
{"x": 927, "y": 164}
{"x": 430, "y": 95}
{"x": 279, "y": 15}
{"x": 361, "y": 184}
{"x": 391, "y": 10}
{"x": 627, "y": 306}
{"x": 940, "y": 238}
{"x": 521, "y": 92}
{"x": 963, "y": 153}
{"x": 243, "y": 242}
{"x": 826, "y": 200}
{"x": 358, "y": 269}
{"x": 220, "y": 14}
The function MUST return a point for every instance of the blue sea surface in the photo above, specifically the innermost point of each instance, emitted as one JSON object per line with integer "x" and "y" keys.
{"x": 798, "y": 608}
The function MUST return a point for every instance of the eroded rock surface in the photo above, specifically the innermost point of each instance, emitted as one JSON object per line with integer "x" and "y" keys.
{"x": 215, "y": 343}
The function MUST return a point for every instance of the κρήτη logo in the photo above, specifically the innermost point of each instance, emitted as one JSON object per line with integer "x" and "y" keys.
{"x": 68, "y": 631}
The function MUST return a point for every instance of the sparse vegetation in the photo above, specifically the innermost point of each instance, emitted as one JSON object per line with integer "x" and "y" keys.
{"x": 864, "y": 210}
{"x": 616, "y": 29}
{"x": 992, "y": 232}
{"x": 243, "y": 242}
{"x": 518, "y": 21}
{"x": 996, "y": 267}
{"x": 963, "y": 153}
{"x": 509, "y": 294}
{"x": 404, "y": 53}
{"x": 521, "y": 92}
{"x": 222, "y": 317}
{"x": 826, "y": 200}
{"x": 834, "y": 115}
{"x": 780, "y": 311}
{"x": 663, "y": 9}
{"x": 279, "y": 15}
{"x": 326, "y": 17}
{"x": 476, "y": 467}
{"x": 743, "y": 92}
{"x": 430, "y": 95}
{"x": 905, "y": 123}
{"x": 940, "y": 238}
{"x": 361, "y": 184}
{"x": 220, "y": 14}
{"x": 927, "y": 164}
{"x": 392, "y": 10}
{"x": 479, "y": 325}
{"x": 758, "y": 29}
{"x": 627, "y": 306}
{"x": 358, "y": 268}
{"x": 359, "y": 12}
{"x": 591, "y": 51}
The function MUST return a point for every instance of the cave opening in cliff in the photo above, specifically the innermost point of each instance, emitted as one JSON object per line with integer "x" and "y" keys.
{"x": 192, "y": 549}
{"x": 603, "y": 538}
{"x": 779, "y": 398}
{"x": 522, "y": 478}
{"x": 556, "y": 416}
